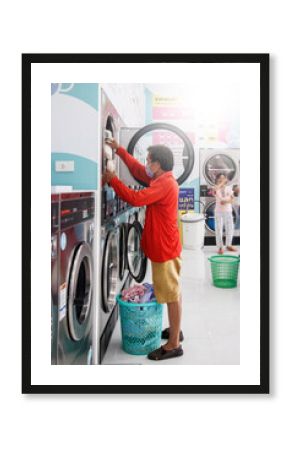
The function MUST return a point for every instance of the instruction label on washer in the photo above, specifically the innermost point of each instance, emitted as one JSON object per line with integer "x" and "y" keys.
{"x": 62, "y": 301}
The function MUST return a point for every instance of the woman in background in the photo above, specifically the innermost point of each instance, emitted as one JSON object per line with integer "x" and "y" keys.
{"x": 224, "y": 213}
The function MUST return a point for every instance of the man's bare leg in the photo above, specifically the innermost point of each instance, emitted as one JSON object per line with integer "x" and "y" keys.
{"x": 174, "y": 316}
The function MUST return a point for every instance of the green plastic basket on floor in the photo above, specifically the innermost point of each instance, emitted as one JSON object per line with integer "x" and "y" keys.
{"x": 224, "y": 270}
{"x": 141, "y": 326}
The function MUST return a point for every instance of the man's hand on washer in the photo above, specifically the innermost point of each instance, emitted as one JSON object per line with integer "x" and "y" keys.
{"x": 107, "y": 176}
{"x": 112, "y": 143}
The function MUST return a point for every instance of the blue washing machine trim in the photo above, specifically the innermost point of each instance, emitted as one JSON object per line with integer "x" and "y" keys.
{"x": 87, "y": 92}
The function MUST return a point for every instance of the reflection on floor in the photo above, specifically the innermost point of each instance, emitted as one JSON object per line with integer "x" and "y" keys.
{"x": 210, "y": 322}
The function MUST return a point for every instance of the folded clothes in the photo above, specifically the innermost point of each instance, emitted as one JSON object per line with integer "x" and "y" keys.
{"x": 143, "y": 293}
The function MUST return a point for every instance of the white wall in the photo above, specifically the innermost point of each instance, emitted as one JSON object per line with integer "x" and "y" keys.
{"x": 129, "y": 100}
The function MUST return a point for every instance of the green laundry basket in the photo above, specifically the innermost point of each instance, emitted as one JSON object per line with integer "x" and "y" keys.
{"x": 141, "y": 326}
{"x": 225, "y": 269}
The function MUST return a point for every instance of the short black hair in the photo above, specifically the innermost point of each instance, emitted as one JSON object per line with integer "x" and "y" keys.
{"x": 219, "y": 175}
{"x": 163, "y": 155}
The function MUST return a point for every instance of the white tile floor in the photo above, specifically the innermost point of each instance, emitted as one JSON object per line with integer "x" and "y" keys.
{"x": 210, "y": 322}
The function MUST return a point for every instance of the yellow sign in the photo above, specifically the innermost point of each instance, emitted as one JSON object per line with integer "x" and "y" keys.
{"x": 163, "y": 100}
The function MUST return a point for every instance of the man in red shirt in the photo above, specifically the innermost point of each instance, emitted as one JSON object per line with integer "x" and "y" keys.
{"x": 160, "y": 239}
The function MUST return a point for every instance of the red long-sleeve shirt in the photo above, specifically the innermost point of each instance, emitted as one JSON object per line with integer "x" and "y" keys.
{"x": 160, "y": 239}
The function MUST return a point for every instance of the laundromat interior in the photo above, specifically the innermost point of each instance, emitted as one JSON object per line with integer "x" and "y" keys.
{"x": 95, "y": 235}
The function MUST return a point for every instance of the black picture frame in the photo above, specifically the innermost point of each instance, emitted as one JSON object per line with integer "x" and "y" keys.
{"x": 27, "y": 61}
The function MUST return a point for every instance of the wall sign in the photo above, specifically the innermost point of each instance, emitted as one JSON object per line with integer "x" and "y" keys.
{"x": 186, "y": 199}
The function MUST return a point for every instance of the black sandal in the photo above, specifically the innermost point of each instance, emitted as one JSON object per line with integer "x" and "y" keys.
{"x": 165, "y": 334}
{"x": 161, "y": 353}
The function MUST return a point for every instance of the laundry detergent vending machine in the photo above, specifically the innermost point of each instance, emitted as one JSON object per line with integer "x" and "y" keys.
{"x": 110, "y": 235}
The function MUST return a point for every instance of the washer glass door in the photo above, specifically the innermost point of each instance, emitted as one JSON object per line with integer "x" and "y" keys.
{"x": 110, "y": 272}
{"x": 171, "y": 136}
{"x": 210, "y": 218}
{"x": 217, "y": 164}
{"x": 137, "y": 261}
{"x": 122, "y": 250}
{"x": 80, "y": 291}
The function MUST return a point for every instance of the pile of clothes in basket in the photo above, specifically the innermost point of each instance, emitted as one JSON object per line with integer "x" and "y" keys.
{"x": 140, "y": 293}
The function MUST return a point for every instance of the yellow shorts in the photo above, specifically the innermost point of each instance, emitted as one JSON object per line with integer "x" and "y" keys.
{"x": 166, "y": 280}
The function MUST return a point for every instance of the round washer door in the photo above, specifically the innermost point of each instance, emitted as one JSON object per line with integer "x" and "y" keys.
{"x": 80, "y": 291}
{"x": 219, "y": 163}
{"x": 210, "y": 218}
{"x": 137, "y": 261}
{"x": 165, "y": 134}
{"x": 122, "y": 250}
{"x": 110, "y": 271}
{"x": 110, "y": 125}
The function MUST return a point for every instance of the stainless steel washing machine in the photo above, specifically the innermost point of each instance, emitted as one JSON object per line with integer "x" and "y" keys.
{"x": 210, "y": 219}
{"x": 123, "y": 262}
{"x": 75, "y": 297}
{"x": 109, "y": 285}
{"x": 213, "y": 162}
{"x": 122, "y": 259}
{"x": 123, "y": 224}
{"x": 111, "y": 123}
{"x": 114, "y": 223}
{"x": 55, "y": 219}
{"x": 208, "y": 199}
{"x": 136, "y": 260}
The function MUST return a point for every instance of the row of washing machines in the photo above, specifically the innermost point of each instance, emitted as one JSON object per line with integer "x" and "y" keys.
{"x": 122, "y": 262}
{"x": 121, "y": 225}
{"x": 95, "y": 253}
{"x": 84, "y": 281}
